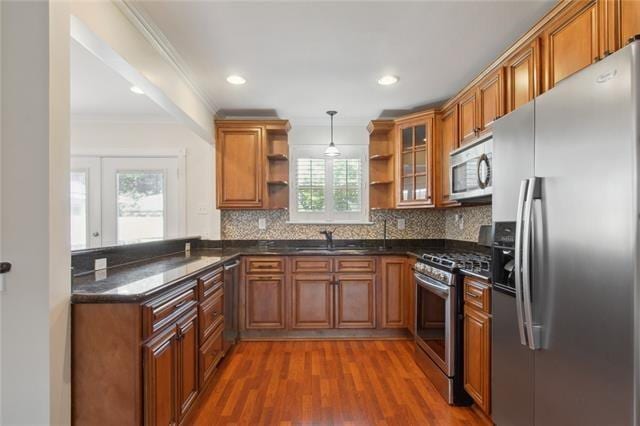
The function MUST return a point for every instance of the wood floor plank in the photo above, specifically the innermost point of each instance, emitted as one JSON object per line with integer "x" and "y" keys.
{"x": 326, "y": 383}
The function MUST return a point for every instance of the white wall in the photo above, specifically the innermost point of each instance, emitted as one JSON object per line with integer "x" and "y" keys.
{"x": 104, "y": 30}
{"x": 34, "y": 180}
{"x": 147, "y": 138}
{"x": 321, "y": 135}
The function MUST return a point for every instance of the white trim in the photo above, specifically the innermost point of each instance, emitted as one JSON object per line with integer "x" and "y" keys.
{"x": 145, "y": 25}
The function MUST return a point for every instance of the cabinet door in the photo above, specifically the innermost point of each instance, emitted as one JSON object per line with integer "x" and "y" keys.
{"x": 448, "y": 143}
{"x": 239, "y": 167}
{"x": 415, "y": 147}
{"x": 312, "y": 301}
{"x": 491, "y": 99}
{"x": 477, "y": 360}
{"x": 571, "y": 42}
{"x": 160, "y": 355}
{"x": 265, "y": 302}
{"x": 468, "y": 122}
{"x": 629, "y": 11}
{"x": 394, "y": 295}
{"x": 187, "y": 371}
{"x": 523, "y": 75}
{"x": 355, "y": 301}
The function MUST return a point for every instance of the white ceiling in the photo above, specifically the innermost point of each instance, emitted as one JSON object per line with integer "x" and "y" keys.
{"x": 99, "y": 92}
{"x": 302, "y": 58}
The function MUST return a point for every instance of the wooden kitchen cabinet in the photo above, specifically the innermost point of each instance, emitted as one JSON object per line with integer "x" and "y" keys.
{"x": 629, "y": 12}
{"x": 312, "y": 301}
{"x": 394, "y": 292}
{"x": 523, "y": 75}
{"x": 572, "y": 41}
{"x": 477, "y": 342}
{"x": 187, "y": 362}
{"x": 252, "y": 164}
{"x": 160, "y": 381}
{"x": 265, "y": 302}
{"x": 239, "y": 167}
{"x": 414, "y": 169}
{"x": 468, "y": 117}
{"x": 355, "y": 301}
{"x": 490, "y": 100}
{"x": 446, "y": 143}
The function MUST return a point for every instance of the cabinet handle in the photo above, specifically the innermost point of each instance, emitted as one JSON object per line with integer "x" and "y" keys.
{"x": 181, "y": 304}
{"x": 475, "y": 296}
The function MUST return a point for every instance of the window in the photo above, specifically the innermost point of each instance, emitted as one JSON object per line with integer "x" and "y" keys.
{"x": 329, "y": 190}
{"x": 140, "y": 199}
{"x": 79, "y": 209}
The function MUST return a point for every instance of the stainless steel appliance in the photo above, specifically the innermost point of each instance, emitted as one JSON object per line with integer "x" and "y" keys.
{"x": 470, "y": 171}
{"x": 565, "y": 209}
{"x": 231, "y": 277}
{"x": 438, "y": 333}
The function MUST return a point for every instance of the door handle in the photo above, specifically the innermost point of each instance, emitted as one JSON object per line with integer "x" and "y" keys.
{"x": 532, "y": 193}
{"x": 518, "y": 261}
{"x": 5, "y": 267}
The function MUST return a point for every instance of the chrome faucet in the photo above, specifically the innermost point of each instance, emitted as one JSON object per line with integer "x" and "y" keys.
{"x": 329, "y": 236}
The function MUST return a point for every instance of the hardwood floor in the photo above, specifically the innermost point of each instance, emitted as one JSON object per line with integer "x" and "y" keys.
{"x": 326, "y": 383}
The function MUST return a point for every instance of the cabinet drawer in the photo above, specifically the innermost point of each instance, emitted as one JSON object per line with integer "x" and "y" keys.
{"x": 478, "y": 294}
{"x": 261, "y": 265}
{"x": 165, "y": 309}
{"x": 211, "y": 353}
{"x": 210, "y": 283}
{"x": 356, "y": 264}
{"x": 311, "y": 264}
{"x": 211, "y": 314}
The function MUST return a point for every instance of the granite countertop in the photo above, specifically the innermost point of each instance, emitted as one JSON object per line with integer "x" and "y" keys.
{"x": 139, "y": 281}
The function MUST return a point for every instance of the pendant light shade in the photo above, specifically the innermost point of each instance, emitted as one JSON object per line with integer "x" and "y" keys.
{"x": 331, "y": 150}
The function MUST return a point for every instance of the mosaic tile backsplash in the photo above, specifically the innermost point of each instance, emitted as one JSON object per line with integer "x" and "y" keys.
{"x": 419, "y": 224}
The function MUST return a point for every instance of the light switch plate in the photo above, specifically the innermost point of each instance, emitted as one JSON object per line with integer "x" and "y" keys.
{"x": 262, "y": 223}
{"x": 100, "y": 264}
{"x": 402, "y": 224}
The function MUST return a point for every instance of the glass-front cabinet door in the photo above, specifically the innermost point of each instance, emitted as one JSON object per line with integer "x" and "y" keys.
{"x": 415, "y": 168}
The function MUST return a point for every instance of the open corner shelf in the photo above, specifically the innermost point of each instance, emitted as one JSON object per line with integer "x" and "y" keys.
{"x": 380, "y": 182}
{"x": 277, "y": 182}
{"x": 381, "y": 157}
{"x": 277, "y": 157}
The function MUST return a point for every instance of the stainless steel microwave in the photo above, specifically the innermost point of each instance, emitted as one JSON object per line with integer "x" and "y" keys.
{"x": 470, "y": 171}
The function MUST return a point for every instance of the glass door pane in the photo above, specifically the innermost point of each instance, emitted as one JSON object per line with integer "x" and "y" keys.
{"x": 407, "y": 189}
{"x": 421, "y": 135}
{"x": 407, "y": 138}
{"x": 407, "y": 163}
{"x": 79, "y": 210}
{"x": 421, "y": 187}
{"x": 140, "y": 206}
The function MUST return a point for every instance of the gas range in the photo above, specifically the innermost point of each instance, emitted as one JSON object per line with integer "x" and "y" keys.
{"x": 441, "y": 265}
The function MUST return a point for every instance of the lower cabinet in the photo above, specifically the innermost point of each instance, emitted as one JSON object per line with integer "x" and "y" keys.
{"x": 477, "y": 343}
{"x": 170, "y": 372}
{"x": 265, "y": 302}
{"x": 394, "y": 292}
{"x": 355, "y": 301}
{"x": 211, "y": 352}
{"x": 312, "y": 301}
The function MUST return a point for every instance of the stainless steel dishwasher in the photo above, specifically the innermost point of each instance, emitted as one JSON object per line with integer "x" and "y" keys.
{"x": 231, "y": 277}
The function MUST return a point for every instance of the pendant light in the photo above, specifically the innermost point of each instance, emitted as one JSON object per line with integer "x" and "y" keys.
{"x": 331, "y": 150}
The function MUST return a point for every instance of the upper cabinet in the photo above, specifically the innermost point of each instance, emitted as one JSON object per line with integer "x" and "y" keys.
{"x": 468, "y": 113}
{"x": 490, "y": 100}
{"x": 629, "y": 13}
{"x": 572, "y": 41}
{"x": 446, "y": 141}
{"x": 523, "y": 75}
{"x": 414, "y": 146}
{"x": 252, "y": 167}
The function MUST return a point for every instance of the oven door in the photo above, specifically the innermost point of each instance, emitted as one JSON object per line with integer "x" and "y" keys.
{"x": 435, "y": 321}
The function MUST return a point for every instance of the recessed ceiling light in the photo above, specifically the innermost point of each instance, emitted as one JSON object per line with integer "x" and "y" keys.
{"x": 136, "y": 90}
{"x": 236, "y": 79}
{"x": 387, "y": 80}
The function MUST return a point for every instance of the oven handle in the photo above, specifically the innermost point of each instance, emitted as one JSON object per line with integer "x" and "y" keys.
{"x": 441, "y": 290}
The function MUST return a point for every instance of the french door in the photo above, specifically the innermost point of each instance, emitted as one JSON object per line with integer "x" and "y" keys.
{"x": 119, "y": 200}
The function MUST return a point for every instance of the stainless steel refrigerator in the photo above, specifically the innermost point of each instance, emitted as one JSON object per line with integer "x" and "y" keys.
{"x": 565, "y": 327}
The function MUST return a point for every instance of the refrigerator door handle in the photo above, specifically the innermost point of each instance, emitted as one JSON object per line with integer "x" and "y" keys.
{"x": 518, "y": 261}
{"x": 533, "y": 192}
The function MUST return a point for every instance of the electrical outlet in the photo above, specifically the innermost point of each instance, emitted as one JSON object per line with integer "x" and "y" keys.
{"x": 203, "y": 209}
{"x": 187, "y": 247}
{"x": 402, "y": 224}
{"x": 459, "y": 220}
{"x": 100, "y": 264}
{"x": 262, "y": 223}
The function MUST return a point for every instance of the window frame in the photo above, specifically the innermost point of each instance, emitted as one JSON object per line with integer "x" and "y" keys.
{"x": 329, "y": 216}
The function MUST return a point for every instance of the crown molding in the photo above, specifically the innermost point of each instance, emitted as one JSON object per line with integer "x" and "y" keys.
{"x": 159, "y": 41}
